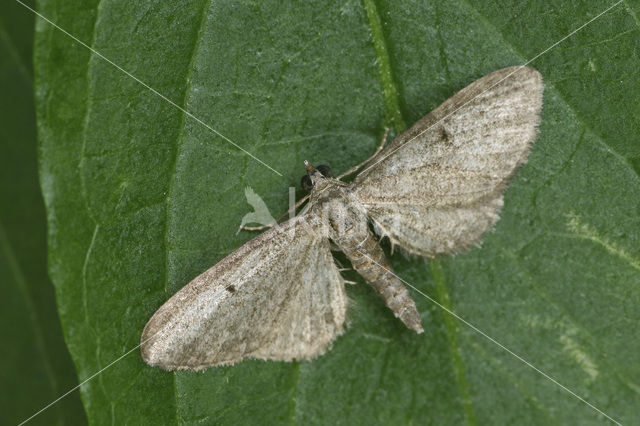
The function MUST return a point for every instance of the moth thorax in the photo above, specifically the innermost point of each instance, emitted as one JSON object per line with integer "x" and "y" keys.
{"x": 344, "y": 218}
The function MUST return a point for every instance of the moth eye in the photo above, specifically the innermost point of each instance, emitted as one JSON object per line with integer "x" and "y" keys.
{"x": 306, "y": 183}
{"x": 325, "y": 170}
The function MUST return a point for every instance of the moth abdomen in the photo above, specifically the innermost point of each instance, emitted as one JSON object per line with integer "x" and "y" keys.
{"x": 369, "y": 260}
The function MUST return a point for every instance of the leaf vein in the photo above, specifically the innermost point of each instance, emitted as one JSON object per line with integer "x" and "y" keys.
{"x": 452, "y": 329}
{"x": 389, "y": 88}
{"x": 394, "y": 115}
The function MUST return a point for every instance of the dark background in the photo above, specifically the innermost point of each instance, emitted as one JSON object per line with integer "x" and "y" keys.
{"x": 36, "y": 367}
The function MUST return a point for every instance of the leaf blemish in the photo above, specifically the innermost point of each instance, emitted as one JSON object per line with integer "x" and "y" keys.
{"x": 585, "y": 231}
{"x": 579, "y": 356}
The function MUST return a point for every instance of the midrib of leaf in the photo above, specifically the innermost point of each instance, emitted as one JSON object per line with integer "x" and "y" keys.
{"x": 389, "y": 90}
{"x": 452, "y": 338}
{"x": 566, "y": 104}
{"x": 174, "y": 167}
{"x": 394, "y": 115}
{"x": 18, "y": 276}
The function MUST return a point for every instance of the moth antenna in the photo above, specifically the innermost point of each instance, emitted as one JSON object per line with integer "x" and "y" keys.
{"x": 254, "y": 228}
{"x": 309, "y": 167}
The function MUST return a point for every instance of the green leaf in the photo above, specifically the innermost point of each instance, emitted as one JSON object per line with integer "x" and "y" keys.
{"x": 36, "y": 364}
{"x": 141, "y": 198}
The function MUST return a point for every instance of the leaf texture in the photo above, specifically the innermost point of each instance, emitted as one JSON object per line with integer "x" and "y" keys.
{"x": 141, "y": 198}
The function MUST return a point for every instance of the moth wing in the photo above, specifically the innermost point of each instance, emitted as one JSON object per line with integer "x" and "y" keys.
{"x": 279, "y": 296}
{"x": 437, "y": 191}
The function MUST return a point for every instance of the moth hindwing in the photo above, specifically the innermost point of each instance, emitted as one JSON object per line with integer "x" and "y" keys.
{"x": 434, "y": 189}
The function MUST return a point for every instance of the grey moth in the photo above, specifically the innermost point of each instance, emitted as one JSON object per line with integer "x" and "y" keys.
{"x": 435, "y": 189}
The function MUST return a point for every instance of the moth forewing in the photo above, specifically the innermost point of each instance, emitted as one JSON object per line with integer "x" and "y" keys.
{"x": 435, "y": 189}
{"x": 438, "y": 187}
{"x": 279, "y": 296}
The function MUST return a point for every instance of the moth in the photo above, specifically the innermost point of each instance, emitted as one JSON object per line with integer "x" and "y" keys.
{"x": 435, "y": 189}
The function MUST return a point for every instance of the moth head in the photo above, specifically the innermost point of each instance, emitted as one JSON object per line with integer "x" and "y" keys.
{"x": 314, "y": 176}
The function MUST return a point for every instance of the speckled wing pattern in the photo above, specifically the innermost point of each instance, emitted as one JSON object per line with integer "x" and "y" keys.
{"x": 280, "y": 296}
{"x": 437, "y": 191}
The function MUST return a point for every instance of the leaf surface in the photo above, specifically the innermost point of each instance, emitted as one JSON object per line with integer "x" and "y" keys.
{"x": 141, "y": 198}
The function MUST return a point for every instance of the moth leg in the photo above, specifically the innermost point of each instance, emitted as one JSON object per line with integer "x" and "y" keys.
{"x": 292, "y": 209}
{"x": 355, "y": 168}
{"x": 383, "y": 141}
{"x": 256, "y": 228}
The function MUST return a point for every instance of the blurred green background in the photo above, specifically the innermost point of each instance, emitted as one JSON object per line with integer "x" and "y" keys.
{"x": 36, "y": 367}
